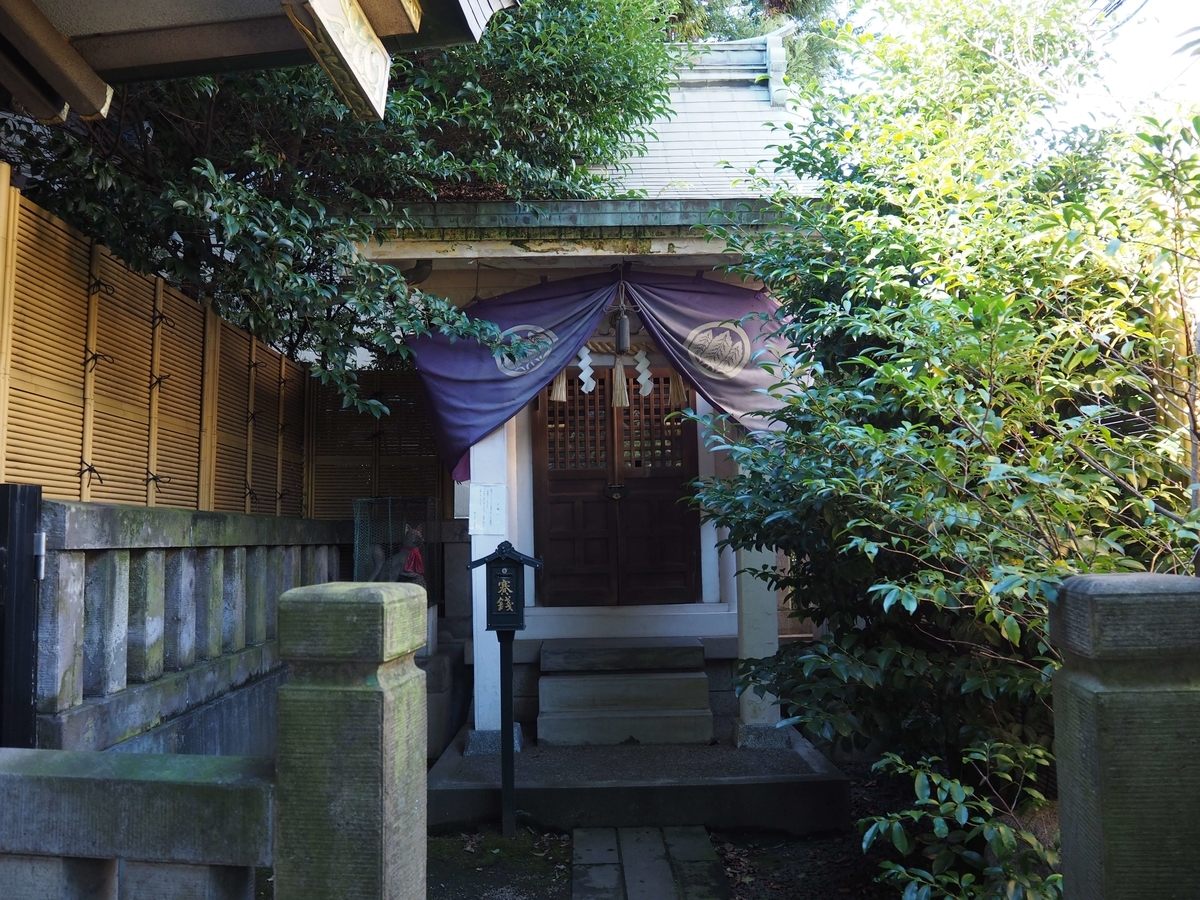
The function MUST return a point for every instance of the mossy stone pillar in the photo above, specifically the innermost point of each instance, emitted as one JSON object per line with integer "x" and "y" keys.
{"x": 1127, "y": 735}
{"x": 350, "y": 768}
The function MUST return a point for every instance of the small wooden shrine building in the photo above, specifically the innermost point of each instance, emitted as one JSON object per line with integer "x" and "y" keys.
{"x": 597, "y": 489}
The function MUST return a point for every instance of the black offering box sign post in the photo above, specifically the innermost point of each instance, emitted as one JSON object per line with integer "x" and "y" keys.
{"x": 505, "y": 579}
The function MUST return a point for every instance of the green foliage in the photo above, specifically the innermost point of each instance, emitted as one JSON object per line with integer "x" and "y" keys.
{"x": 730, "y": 20}
{"x": 811, "y": 55}
{"x": 991, "y": 387}
{"x": 968, "y": 837}
{"x": 256, "y": 190}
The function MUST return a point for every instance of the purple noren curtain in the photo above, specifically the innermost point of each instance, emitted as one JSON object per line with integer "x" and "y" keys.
{"x": 715, "y": 334}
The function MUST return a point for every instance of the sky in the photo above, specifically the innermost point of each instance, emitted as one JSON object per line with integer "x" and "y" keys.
{"x": 1144, "y": 61}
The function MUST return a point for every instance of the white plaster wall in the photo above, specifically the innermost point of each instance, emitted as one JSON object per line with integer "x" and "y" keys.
{"x": 521, "y": 484}
{"x": 489, "y": 465}
{"x": 503, "y": 457}
{"x": 710, "y": 566}
{"x": 727, "y": 567}
{"x": 758, "y": 631}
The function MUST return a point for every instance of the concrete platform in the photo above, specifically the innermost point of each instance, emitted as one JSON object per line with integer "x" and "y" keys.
{"x": 637, "y": 786}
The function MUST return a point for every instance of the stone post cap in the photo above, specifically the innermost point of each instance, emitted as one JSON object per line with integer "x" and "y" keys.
{"x": 1127, "y": 616}
{"x": 347, "y": 621}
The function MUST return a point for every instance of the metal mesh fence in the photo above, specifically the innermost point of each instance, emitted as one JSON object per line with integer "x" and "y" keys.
{"x": 398, "y": 539}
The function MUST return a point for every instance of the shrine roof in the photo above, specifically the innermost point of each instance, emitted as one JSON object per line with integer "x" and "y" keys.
{"x": 730, "y": 108}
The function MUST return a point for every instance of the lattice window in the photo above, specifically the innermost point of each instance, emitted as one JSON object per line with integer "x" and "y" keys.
{"x": 577, "y": 431}
{"x": 648, "y": 440}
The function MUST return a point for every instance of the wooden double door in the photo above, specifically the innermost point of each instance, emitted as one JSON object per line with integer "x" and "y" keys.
{"x": 612, "y": 522}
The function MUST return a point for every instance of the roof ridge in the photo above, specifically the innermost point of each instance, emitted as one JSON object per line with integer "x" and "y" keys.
{"x": 754, "y": 60}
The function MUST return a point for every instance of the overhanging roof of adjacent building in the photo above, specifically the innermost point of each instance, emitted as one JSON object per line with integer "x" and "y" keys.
{"x": 55, "y": 53}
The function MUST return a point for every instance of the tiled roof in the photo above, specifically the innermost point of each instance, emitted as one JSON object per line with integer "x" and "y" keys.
{"x": 591, "y": 215}
{"x": 725, "y": 106}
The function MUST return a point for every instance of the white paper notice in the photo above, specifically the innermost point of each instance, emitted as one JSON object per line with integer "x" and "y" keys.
{"x": 489, "y": 509}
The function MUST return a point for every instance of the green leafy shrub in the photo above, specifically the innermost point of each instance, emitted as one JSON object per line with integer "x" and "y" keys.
{"x": 990, "y": 388}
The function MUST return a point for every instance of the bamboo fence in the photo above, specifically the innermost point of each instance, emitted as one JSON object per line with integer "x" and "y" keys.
{"x": 116, "y": 388}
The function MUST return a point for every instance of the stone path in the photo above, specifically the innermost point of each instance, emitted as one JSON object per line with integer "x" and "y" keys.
{"x": 676, "y": 863}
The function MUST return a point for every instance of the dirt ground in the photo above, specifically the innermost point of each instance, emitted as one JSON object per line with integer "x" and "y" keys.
{"x": 759, "y": 865}
{"x": 482, "y": 865}
{"x": 765, "y": 866}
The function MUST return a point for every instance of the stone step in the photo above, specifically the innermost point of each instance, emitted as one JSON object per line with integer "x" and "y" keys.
{"x": 621, "y": 654}
{"x": 651, "y": 726}
{"x": 623, "y": 691}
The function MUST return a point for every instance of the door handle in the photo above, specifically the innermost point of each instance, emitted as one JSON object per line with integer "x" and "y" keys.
{"x": 614, "y": 491}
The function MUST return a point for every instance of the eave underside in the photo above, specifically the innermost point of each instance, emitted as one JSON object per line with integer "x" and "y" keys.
{"x": 565, "y": 234}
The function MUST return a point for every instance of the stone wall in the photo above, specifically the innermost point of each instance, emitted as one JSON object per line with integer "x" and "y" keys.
{"x": 340, "y": 812}
{"x": 148, "y": 615}
{"x": 104, "y": 826}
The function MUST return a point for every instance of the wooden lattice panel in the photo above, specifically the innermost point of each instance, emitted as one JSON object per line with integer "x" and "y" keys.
{"x": 45, "y": 415}
{"x": 343, "y": 458}
{"x": 35, "y": 456}
{"x": 119, "y": 457}
{"x": 50, "y": 314}
{"x": 181, "y": 366}
{"x": 577, "y": 431}
{"x": 649, "y": 440}
{"x": 292, "y": 502}
{"x": 408, "y": 462}
{"x": 233, "y": 408}
{"x": 356, "y": 455}
{"x": 406, "y": 430}
{"x": 121, "y": 367}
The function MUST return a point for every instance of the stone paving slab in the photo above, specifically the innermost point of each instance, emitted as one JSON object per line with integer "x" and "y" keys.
{"x": 702, "y": 880}
{"x": 689, "y": 843}
{"x": 601, "y": 882}
{"x": 643, "y": 765}
{"x": 595, "y": 846}
{"x": 676, "y": 863}
{"x": 718, "y": 786}
{"x": 648, "y": 875}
